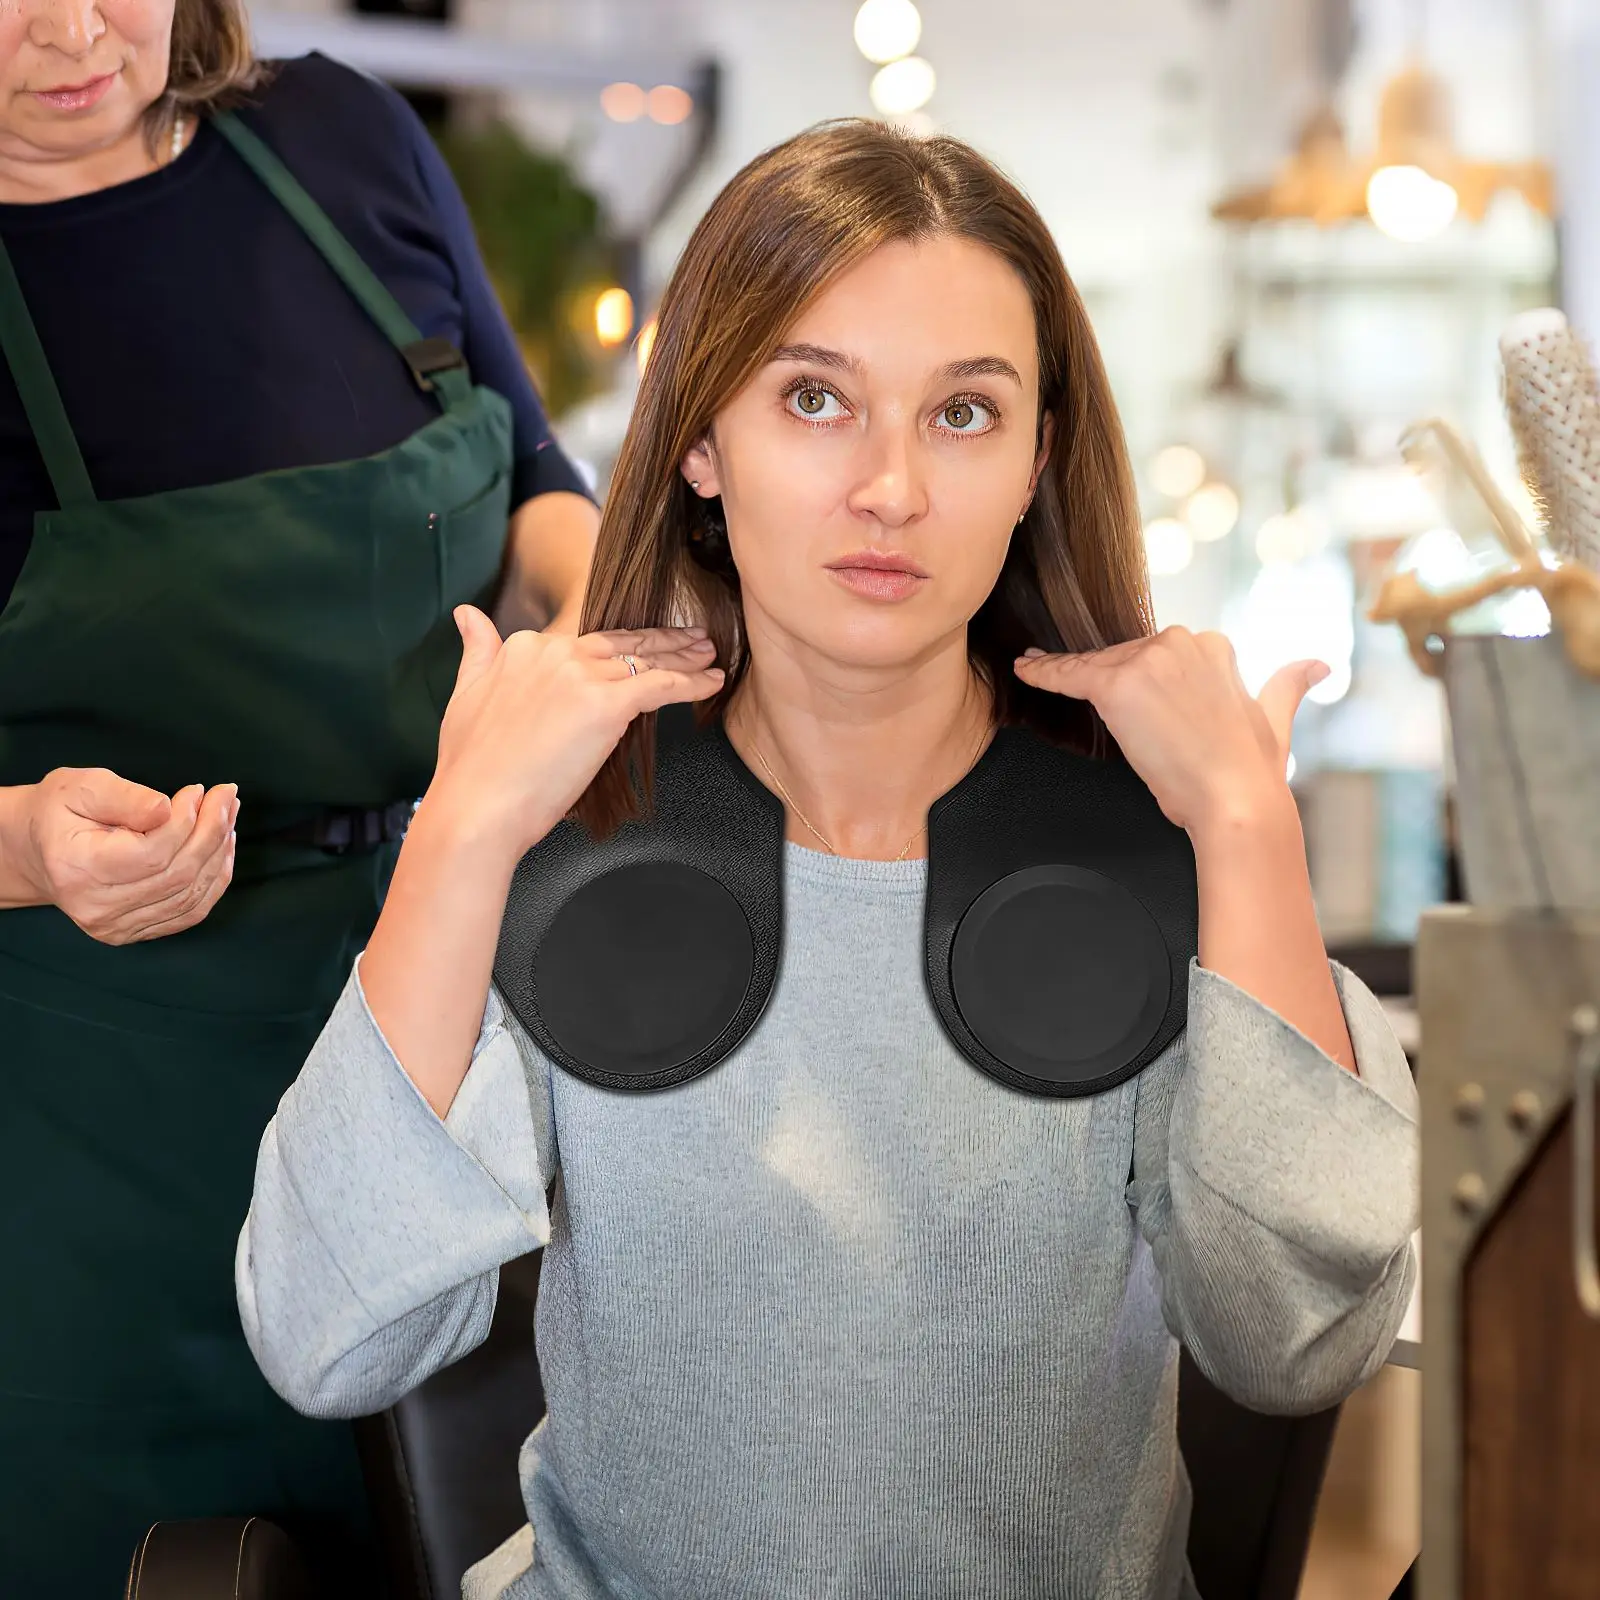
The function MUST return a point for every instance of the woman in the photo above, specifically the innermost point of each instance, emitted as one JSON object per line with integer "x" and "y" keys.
{"x": 233, "y": 523}
{"x": 843, "y": 1316}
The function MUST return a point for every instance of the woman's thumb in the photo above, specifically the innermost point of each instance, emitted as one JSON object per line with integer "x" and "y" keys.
{"x": 480, "y": 644}
{"x": 1282, "y": 693}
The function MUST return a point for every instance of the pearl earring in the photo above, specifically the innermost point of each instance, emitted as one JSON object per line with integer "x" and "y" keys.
{"x": 694, "y": 483}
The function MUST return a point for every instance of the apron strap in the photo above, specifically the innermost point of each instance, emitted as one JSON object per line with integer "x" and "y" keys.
{"x": 41, "y": 400}
{"x": 435, "y": 363}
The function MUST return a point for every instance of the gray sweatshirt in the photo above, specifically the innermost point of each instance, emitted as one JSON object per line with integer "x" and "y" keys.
{"x": 845, "y": 1317}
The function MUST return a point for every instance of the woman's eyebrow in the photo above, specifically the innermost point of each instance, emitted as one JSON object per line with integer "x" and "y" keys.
{"x": 817, "y": 355}
{"x": 982, "y": 367}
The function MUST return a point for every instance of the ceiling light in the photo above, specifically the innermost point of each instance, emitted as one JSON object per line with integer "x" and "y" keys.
{"x": 622, "y": 102}
{"x": 1211, "y": 511}
{"x": 1291, "y": 536}
{"x": 613, "y": 316}
{"x": 887, "y": 29}
{"x": 644, "y": 344}
{"x": 1407, "y": 204}
{"x": 903, "y": 86}
{"x": 1168, "y": 546}
{"x": 1178, "y": 470}
{"x": 1323, "y": 182}
{"x": 669, "y": 104}
{"x": 1381, "y": 502}
{"x": 1278, "y": 539}
{"x": 1294, "y": 613}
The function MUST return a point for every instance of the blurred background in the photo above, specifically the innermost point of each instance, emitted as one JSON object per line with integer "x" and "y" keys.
{"x": 1299, "y": 226}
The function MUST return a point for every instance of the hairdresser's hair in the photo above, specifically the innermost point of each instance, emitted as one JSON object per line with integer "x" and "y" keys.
{"x": 785, "y": 228}
{"x": 212, "y": 64}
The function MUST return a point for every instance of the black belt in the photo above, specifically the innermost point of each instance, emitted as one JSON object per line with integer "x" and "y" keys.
{"x": 341, "y": 830}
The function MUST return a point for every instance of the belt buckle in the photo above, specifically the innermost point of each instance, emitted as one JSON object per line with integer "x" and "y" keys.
{"x": 428, "y": 356}
{"x": 364, "y": 828}
{"x": 336, "y": 832}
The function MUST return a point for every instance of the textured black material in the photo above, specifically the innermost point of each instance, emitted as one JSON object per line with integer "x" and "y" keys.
{"x": 642, "y": 961}
{"x": 1056, "y": 942}
{"x": 619, "y": 985}
{"x": 1061, "y": 918}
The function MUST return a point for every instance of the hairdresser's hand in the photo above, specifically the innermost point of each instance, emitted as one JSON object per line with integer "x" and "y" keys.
{"x": 125, "y": 863}
{"x": 1175, "y": 704}
{"x": 533, "y": 719}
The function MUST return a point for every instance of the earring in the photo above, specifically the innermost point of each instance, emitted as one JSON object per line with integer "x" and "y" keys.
{"x": 694, "y": 483}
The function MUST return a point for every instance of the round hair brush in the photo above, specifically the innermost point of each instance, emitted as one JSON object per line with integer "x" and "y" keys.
{"x": 1554, "y": 408}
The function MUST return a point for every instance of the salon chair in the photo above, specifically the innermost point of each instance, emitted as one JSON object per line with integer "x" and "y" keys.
{"x": 1384, "y": 965}
{"x": 441, "y": 1469}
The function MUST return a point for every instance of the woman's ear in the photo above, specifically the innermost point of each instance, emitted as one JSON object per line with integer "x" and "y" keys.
{"x": 700, "y": 471}
{"x": 1047, "y": 437}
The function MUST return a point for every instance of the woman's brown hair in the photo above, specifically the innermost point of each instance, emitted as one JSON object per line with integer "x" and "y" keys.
{"x": 212, "y": 64}
{"x": 782, "y": 230}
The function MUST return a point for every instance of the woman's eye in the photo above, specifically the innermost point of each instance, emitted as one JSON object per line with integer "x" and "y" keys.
{"x": 965, "y": 416}
{"x": 813, "y": 404}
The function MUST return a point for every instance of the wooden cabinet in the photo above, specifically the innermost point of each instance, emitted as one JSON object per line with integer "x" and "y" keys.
{"x": 1511, "y": 1372}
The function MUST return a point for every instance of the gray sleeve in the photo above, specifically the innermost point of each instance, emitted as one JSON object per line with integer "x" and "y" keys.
{"x": 1279, "y": 1194}
{"x": 371, "y": 1252}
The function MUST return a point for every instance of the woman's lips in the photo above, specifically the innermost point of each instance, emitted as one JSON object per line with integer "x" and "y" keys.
{"x": 78, "y": 97}
{"x": 878, "y": 583}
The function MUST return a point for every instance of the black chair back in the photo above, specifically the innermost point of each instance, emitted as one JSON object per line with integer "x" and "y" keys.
{"x": 1256, "y": 1480}
{"x": 441, "y": 1466}
{"x": 218, "y": 1558}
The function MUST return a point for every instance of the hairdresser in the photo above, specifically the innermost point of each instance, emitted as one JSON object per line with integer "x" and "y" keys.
{"x": 262, "y": 426}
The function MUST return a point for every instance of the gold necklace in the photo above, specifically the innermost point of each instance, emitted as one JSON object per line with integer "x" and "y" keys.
{"x": 816, "y": 832}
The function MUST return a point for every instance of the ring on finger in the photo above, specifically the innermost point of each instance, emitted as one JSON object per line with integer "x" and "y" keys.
{"x": 631, "y": 662}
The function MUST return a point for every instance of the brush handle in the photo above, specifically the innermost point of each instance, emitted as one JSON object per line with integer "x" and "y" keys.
{"x": 1463, "y": 462}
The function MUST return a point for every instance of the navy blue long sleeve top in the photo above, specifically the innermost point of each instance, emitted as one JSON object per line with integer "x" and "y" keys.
{"x": 196, "y": 336}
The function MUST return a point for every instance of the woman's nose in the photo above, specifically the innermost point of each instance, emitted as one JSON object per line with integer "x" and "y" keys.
{"x": 70, "y": 26}
{"x": 892, "y": 487}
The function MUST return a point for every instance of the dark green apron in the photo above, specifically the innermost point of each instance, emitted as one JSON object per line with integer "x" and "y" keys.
{"x": 289, "y": 632}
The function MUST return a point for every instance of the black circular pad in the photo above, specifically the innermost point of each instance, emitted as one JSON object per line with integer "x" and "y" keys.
{"x": 643, "y": 969}
{"x": 1061, "y": 974}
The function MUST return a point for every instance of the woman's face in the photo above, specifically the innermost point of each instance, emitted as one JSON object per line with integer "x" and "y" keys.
{"x": 76, "y": 75}
{"x": 873, "y": 471}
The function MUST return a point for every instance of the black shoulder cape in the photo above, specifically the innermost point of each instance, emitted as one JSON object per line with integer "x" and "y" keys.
{"x": 1060, "y": 919}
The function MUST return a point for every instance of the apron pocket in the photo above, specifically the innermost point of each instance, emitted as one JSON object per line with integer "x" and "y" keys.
{"x": 471, "y": 544}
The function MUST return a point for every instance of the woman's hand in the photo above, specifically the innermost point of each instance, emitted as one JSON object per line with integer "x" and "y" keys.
{"x": 1216, "y": 759}
{"x": 533, "y": 719}
{"x": 1176, "y": 706}
{"x": 531, "y": 722}
{"x": 125, "y": 863}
